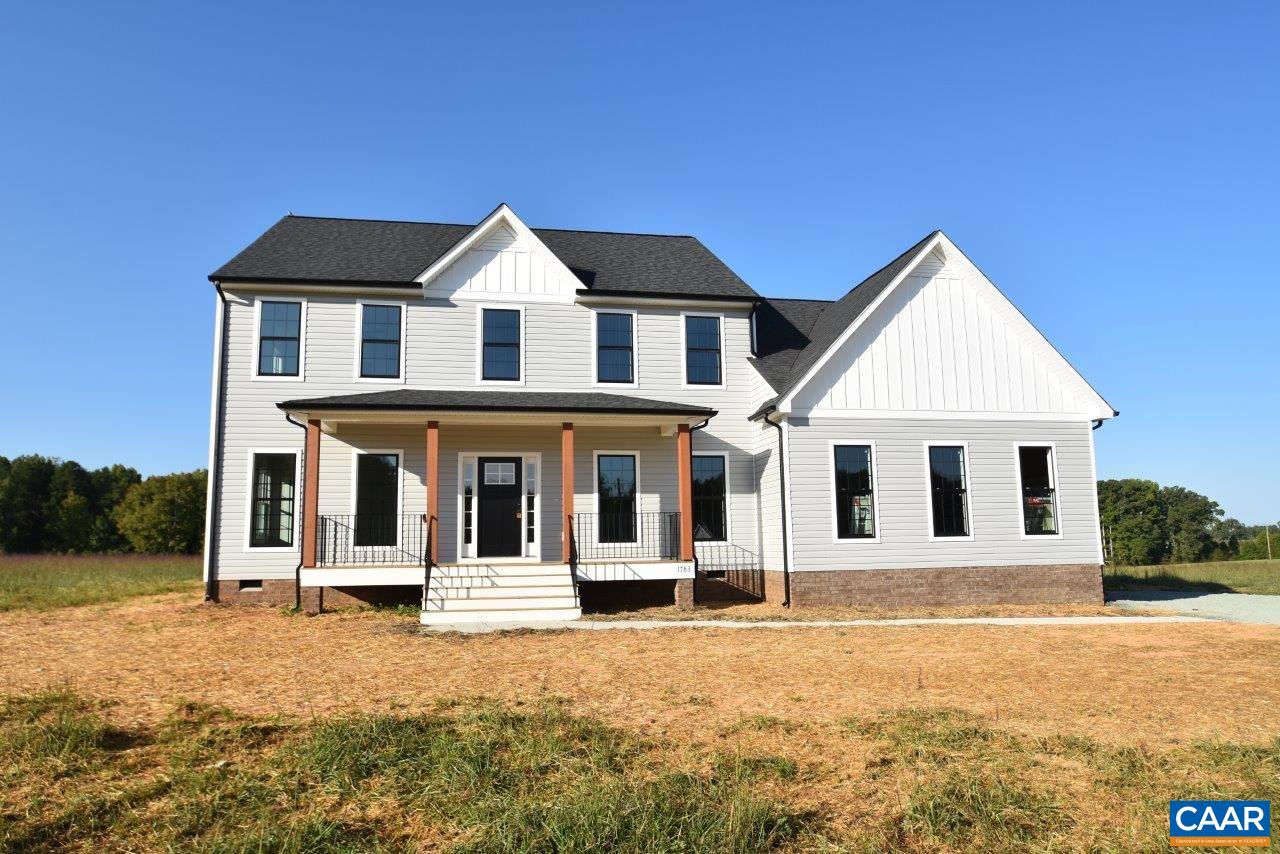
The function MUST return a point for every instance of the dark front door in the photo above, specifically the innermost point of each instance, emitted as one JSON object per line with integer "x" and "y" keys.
{"x": 500, "y": 517}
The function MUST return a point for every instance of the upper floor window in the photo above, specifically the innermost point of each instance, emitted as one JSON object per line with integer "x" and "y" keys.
{"x": 272, "y": 499}
{"x": 380, "y": 339}
{"x": 279, "y": 338}
{"x": 500, "y": 354}
{"x": 949, "y": 491}
{"x": 855, "y": 492}
{"x": 710, "y": 515}
{"x": 615, "y": 347}
{"x": 702, "y": 350}
{"x": 1039, "y": 500}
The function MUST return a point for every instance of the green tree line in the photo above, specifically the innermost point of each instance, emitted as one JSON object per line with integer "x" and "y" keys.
{"x": 1146, "y": 523}
{"x": 52, "y": 505}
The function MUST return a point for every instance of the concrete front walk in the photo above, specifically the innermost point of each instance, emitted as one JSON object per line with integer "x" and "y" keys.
{"x": 1238, "y": 607}
{"x": 604, "y": 625}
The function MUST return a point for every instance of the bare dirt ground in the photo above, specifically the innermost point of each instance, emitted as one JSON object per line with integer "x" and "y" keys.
{"x": 1159, "y": 685}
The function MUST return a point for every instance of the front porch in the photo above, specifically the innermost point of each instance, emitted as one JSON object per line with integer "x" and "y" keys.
{"x": 490, "y": 497}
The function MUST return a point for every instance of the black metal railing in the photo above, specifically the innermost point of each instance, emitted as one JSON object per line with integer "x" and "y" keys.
{"x": 626, "y": 536}
{"x": 1038, "y": 511}
{"x": 716, "y": 558}
{"x": 362, "y": 538}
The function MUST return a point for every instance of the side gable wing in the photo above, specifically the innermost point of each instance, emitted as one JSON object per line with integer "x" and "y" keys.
{"x": 500, "y": 259}
{"x": 941, "y": 338}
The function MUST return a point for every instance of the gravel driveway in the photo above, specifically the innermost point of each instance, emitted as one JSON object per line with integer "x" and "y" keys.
{"x": 1239, "y": 607}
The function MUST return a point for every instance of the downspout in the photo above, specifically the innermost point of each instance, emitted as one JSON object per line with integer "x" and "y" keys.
{"x": 782, "y": 490}
{"x": 301, "y": 492}
{"x": 215, "y": 474}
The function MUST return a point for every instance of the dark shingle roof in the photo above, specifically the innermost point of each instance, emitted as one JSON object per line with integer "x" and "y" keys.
{"x": 782, "y": 331}
{"x": 838, "y": 316}
{"x": 499, "y": 401}
{"x": 378, "y": 252}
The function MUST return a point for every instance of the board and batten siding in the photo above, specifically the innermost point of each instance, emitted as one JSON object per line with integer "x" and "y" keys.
{"x": 441, "y": 352}
{"x": 946, "y": 340}
{"x": 902, "y": 493}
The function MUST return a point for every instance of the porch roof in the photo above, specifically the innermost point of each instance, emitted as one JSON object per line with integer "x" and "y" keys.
{"x": 411, "y": 400}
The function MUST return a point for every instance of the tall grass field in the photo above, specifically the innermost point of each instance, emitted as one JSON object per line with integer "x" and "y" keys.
{"x": 38, "y": 582}
{"x": 1232, "y": 576}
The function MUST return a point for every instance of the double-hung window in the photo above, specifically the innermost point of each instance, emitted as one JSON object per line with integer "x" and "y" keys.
{"x": 616, "y": 488}
{"x": 1039, "y": 499}
{"x": 710, "y": 516}
{"x": 855, "y": 492}
{"x": 500, "y": 356}
{"x": 615, "y": 347}
{"x": 948, "y": 491}
{"x": 272, "y": 500}
{"x": 279, "y": 338}
{"x": 377, "y": 520}
{"x": 380, "y": 331}
{"x": 702, "y": 358}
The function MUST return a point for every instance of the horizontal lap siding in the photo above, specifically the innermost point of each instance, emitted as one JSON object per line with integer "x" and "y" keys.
{"x": 903, "y": 495}
{"x": 440, "y": 349}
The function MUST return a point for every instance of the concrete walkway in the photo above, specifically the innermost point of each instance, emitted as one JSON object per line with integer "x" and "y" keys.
{"x": 606, "y": 625}
{"x": 1237, "y": 607}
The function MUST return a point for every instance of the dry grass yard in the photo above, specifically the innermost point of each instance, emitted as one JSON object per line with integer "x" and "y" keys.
{"x": 240, "y": 728}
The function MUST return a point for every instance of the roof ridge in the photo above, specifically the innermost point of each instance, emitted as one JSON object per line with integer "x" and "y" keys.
{"x": 473, "y": 225}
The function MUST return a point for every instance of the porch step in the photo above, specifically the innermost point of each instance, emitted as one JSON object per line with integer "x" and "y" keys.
{"x": 514, "y": 618}
{"x": 513, "y": 591}
{"x": 501, "y": 593}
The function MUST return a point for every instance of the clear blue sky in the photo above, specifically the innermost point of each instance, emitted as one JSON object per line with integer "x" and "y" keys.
{"x": 1113, "y": 167}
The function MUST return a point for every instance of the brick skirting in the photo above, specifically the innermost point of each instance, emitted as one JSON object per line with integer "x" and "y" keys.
{"x": 280, "y": 592}
{"x": 956, "y": 585}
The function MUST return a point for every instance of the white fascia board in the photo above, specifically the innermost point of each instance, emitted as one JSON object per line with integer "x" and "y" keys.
{"x": 502, "y": 213}
{"x": 785, "y": 403}
{"x": 1102, "y": 409}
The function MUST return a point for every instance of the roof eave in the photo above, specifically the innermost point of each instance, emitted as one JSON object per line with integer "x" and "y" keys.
{"x": 320, "y": 407}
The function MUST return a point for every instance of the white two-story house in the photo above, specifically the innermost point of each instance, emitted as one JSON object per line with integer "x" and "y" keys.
{"x": 510, "y": 422}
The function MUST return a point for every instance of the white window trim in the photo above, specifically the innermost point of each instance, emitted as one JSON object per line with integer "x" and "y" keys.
{"x": 1054, "y": 482}
{"x": 728, "y": 499}
{"x": 595, "y": 490}
{"x": 257, "y": 340}
{"x": 249, "y": 548}
{"x": 359, "y": 327}
{"x": 480, "y": 309}
{"x": 635, "y": 347}
{"x": 836, "y": 539}
{"x": 968, "y": 489}
{"x": 533, "y": 550}
{"x": 684, "y": 351}
{"x": 356, "y": 453}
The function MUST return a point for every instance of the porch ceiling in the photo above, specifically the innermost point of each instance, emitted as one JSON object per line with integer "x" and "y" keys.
{"x": 464, "y": 406}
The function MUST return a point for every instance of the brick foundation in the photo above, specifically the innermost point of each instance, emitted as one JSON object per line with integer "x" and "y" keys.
{"x": 956, "y": 585}
{"x": 684, "y": 593}
{"x": 280, "y": 593}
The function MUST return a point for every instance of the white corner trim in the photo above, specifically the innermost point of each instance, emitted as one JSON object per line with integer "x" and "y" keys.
{"x": 248, "y": 501}
{"x": 595, "y": 488}
{"x": 1053, "y": 483}
{"x": 1097, "y": 512}
{"x": 214, "y": 398}
{"x": 359, "y": 341}
{"x": 481, "y": 307}
{"x": 728, "y": 498}
{"x": 788, "y": 542}
{"x": 684, "y": 351}
{"x": 968, "y": 488}
{"x": 836, "y": 539}
{"x": 596, "y": 311}
{"x": 254, "y": 376}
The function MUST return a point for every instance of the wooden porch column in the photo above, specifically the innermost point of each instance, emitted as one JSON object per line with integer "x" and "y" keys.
{"x": 684, "y": 480}
{"x": 311, "y": 494}
{"x": 433, "y": 490}
{"x": 566, "y": 491}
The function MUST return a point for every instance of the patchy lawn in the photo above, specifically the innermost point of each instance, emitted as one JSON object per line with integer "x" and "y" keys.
{"x": 37, "y": 582}
{"x": 1232, "y": 576}
{"x": 239, "y": 728}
